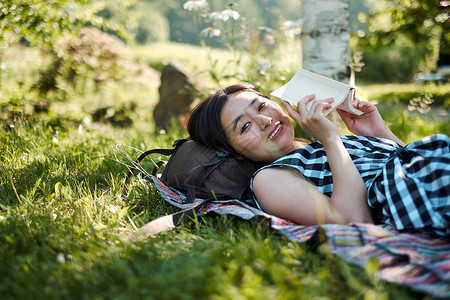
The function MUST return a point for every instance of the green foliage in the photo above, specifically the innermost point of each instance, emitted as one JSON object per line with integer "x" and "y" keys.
{"x": 398, "y": 62}
{"x": 411, "y": 126}
{"x": 420, "y": 21}
{"x": 145, "y": 20}
{"x": 91, "y": 56}
{"x": 40, "y": 22}
{"x": 155, "y": 31}
{"x": 401, "y": 38}
{"x": 45, "y": 22}
{"x": 265, "y": 46}
{"x": 118, "y": 98}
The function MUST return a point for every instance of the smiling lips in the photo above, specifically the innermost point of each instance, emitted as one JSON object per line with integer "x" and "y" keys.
{"x": 275, "y": 130}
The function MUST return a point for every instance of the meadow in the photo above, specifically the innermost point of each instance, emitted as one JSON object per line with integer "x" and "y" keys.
{"x": 65, "y": 225}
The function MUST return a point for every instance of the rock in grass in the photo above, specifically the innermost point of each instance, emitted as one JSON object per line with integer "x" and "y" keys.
{"x": 179, "y": 87}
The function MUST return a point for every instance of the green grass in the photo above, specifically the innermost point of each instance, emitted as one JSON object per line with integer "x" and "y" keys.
{"x": 65, "y": 225}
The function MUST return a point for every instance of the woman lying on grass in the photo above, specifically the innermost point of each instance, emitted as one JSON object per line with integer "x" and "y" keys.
{"x": 371, "y": 177}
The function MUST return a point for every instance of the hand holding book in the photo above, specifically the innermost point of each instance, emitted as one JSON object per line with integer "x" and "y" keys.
{"x": 305, "y": 83}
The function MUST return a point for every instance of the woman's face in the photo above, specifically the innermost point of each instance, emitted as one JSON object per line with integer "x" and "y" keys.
{"x": 256, "y": 128}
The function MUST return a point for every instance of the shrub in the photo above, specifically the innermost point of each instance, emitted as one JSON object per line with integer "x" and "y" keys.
{"x": 394, "y": 64}
{"x": 155, "y": 30}
{"x": 91, "y": 55}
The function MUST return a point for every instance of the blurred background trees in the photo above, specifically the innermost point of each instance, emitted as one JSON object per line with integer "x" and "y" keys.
{"x": 72, "y": 58}
{"x": 394, "y": 40}
{"x": 401, "y": 38}
{"x": 49, "y": 25}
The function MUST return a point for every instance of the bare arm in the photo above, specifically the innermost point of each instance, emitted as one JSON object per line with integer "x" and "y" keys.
{"x": 370, "y": 123}
{"x": 349, "y": 191}
{"x": 285, "y": 194}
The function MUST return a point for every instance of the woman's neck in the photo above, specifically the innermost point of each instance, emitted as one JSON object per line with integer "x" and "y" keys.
{"x": 300, "y": 143}
{"x": 297, "y": 144}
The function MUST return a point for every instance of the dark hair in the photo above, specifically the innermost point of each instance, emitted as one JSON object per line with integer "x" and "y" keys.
{"x": 203, "y": 124}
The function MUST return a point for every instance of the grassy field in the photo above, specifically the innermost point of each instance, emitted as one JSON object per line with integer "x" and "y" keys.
{"x": 65, "y": 225}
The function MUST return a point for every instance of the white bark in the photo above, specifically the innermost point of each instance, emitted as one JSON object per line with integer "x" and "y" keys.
{"x": 325, "y": 38}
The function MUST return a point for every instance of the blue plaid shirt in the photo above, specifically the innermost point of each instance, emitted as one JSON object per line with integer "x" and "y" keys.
{"x": 407, "y": 187}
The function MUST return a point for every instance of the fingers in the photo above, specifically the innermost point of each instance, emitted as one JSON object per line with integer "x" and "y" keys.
{"x": 304, "y": 105}
{"x": 292, "y": 112}
{"x": 307, "y": 107}
{"x": 356, "y": 100}
{"x": 310, "y": 115}
{"x": 365, "y": 106}
{"x": 302, "y": 108}
{"x": 320, "y": 106}
{"x": 358, "y": 103}
{"x": 312, "y": 118}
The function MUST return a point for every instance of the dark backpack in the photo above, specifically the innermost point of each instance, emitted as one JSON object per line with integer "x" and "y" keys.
{"x": 198, "y": 171}
{"x": 203, "y": 172}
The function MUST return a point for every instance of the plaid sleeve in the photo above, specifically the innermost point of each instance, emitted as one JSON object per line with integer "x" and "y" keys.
{"x": 414, "y": 187}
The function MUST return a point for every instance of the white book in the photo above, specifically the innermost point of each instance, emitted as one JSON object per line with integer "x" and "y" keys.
{"x": 305, "y": 83}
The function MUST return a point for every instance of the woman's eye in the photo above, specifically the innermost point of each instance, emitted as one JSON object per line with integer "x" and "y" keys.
{"x": 261, "y": 106}
{"x": 245, "y": 127}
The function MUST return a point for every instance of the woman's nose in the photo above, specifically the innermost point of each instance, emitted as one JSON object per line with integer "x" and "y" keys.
{"x": 263, "y": 121}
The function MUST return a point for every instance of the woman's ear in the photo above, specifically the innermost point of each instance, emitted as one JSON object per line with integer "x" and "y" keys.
{"x": 277, "y": 106}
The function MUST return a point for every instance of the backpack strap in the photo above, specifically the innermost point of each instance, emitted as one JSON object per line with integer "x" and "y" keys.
{"x": 138, "y": 161}
{"x": 155, "y": 169}
{"x": 171, "y": 221}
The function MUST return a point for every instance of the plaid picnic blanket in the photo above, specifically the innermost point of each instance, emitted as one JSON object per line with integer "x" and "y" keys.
{"x": 413, "y": 260}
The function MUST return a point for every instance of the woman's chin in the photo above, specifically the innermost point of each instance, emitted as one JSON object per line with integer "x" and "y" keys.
{"x": 285, "y": 143}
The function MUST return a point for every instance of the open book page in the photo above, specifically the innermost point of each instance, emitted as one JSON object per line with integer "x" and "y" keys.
{"x": 305, "y": 83}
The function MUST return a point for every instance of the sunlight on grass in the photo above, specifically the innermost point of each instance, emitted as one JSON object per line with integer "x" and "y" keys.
{"x": 65, "y": 224}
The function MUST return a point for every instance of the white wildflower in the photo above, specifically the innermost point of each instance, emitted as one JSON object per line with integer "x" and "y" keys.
{"x": 195, "y": 5}
{"x": 224, "y": 15}
{"x": 293, "y": 24}
{"x": 293, "y": 28}
{"x": 210, "y": 32}
{"x": 230, "y": 14}
{"x": 215, "y": 15}
{"x": 288, "y": 23}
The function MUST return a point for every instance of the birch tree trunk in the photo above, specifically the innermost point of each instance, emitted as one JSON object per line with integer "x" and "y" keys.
{"x": 325, "y": 38}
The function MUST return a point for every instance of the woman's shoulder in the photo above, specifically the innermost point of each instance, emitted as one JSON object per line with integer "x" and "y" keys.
{"x": 268, "y": 178}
